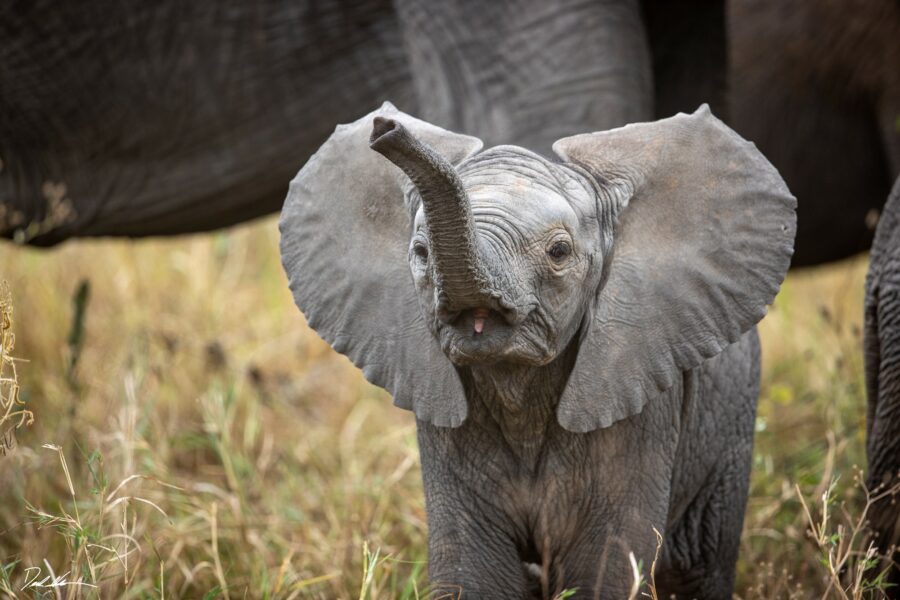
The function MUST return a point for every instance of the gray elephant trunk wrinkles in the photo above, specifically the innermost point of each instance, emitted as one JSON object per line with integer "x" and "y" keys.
{"x": 502, "y": 290}
{"x": 446, "y": 207}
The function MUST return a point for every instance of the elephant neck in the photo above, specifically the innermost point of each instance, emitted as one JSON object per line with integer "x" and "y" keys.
{"x": 519, "y": 401}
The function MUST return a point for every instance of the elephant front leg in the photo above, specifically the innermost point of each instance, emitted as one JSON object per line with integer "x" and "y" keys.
{"x": 471, "y": 555}
{"x": 601, "y": 563}
{"x": 471, "y": 543}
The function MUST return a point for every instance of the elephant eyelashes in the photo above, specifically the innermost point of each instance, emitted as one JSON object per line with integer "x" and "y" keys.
{"x": 559, "y": 251}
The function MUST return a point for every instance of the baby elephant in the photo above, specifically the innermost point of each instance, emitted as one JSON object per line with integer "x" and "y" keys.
{"x": 575, "y": 337}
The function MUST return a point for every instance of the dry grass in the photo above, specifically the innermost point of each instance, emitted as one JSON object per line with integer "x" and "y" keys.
{"x": 197, "y": 439}
{"x": 13, "y": 414}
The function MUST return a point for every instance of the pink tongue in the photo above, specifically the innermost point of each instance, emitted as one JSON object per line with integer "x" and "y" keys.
{"x": 479, "y": 315}
{"x": 479, "y": 324}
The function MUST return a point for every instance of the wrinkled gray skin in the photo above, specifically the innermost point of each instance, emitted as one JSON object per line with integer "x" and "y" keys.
{"x": 882, "y": 346}
{"x": 162, "y": 118}
{"x": 170, "y": 117}
{"x": 576, "y": 338}
{"x": 165, "y": 117}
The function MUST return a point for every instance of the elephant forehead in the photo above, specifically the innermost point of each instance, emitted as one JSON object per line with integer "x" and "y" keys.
{"x": 522, "y": 200}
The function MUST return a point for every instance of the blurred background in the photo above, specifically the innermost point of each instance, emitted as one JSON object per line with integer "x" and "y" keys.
{"x": 181, "y": 432}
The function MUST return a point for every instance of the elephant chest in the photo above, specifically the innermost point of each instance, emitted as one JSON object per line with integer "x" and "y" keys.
{"x": 555, "y": 492}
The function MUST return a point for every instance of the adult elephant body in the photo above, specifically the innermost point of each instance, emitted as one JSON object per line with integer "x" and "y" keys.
{"x": 134, "y": 119}
{"x": 816, "y": 85}
{"x": 882, "y": 346}
{"x": 131, "y": 119}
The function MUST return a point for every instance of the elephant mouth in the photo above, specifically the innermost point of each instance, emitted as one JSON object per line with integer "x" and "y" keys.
{"x": 482, "y": 336}
{"x": 480, "y": 323}
{"x": 476, "y": 336}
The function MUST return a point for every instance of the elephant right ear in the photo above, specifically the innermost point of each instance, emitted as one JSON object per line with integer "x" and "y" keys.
{"x": 703, "y": 241}
{"x": 344, "y": 246}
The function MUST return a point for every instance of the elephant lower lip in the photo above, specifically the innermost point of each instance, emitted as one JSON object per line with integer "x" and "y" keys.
{"x": 477, "y": 335}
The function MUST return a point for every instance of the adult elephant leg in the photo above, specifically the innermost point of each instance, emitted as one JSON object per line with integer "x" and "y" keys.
{"x": 882, "y": 354}
{"x": 889, "y": 122}
{"x": 528, "y": 72}
{"x": 689, "y": 53}
{"x": 808, "y": 96}
{"x": 133, "y": 118}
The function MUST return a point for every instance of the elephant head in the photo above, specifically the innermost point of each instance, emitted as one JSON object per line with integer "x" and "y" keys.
{"x": 651, "y": 247}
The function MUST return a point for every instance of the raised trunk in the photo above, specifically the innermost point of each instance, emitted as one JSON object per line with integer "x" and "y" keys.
{"x": 446, "y": 206}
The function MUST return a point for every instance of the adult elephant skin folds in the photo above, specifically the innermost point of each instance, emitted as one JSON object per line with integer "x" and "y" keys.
{"x": 132, "y": 118}
{"x": 882, "y": 353}
{"x": 575, "y": 336}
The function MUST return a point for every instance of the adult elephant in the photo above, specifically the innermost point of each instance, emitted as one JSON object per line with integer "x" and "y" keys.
{"x": 132, "y": 118}
{"x": 816, "y": 85}
{"x": 882, "y": 346}
{"x": 129, "y": 118}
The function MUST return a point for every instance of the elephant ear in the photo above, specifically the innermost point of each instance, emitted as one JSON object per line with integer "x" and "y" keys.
{"x": 704, "y": 238}
{"x": 344, "y": 244}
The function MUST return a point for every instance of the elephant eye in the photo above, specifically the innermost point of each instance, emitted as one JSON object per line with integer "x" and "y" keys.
{"x": 421, "y": 251}
{"x": 559, "y": 250}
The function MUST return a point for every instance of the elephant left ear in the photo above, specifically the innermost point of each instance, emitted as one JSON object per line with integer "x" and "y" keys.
{"x": 344, "y": 245}
{"x": 704, "y": 238}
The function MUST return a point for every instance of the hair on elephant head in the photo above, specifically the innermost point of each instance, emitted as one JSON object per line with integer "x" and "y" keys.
{"x": 651, "y": 246}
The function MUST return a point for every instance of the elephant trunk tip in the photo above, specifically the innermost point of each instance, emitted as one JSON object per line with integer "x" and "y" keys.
{"x": 382, "y": 130}
{"x": 445, "y": 204}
